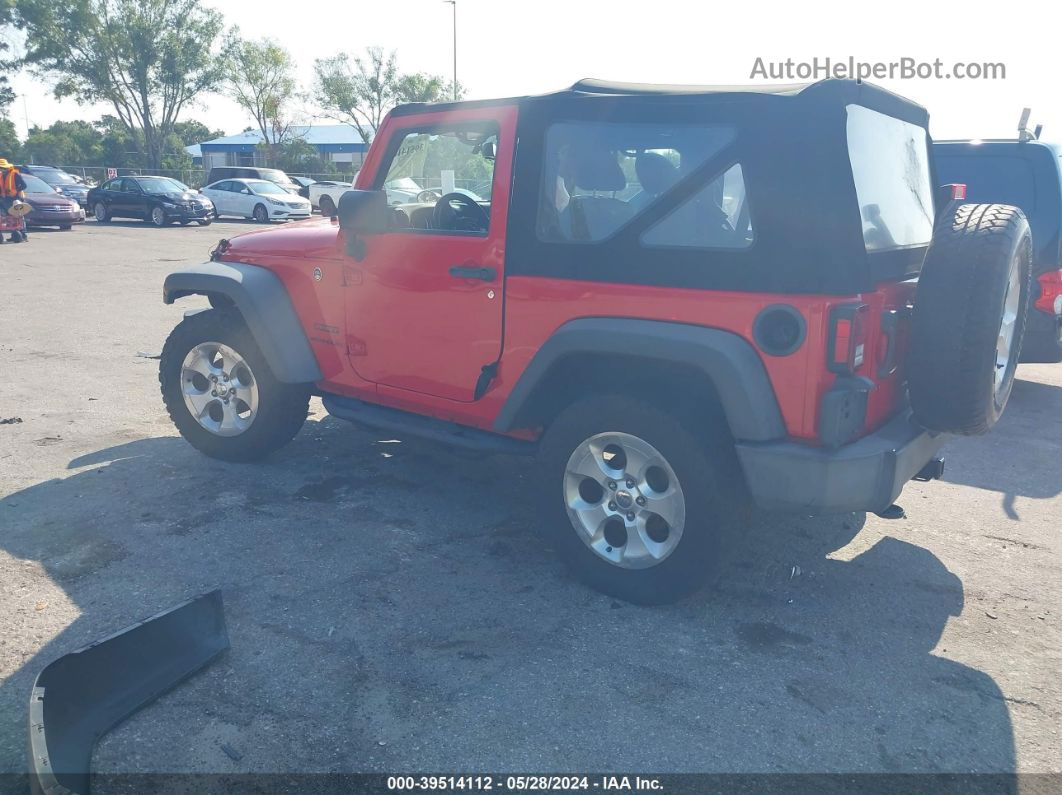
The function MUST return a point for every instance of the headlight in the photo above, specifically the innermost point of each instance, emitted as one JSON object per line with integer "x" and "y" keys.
{"x": 274, "y": 201}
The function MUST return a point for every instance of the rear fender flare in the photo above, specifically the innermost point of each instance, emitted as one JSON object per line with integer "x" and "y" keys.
{"x": 266, "y": 308}
{"x": 727, "y": 359}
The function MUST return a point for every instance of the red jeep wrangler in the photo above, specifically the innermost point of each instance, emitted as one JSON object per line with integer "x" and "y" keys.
{"x": 684, "y": 300}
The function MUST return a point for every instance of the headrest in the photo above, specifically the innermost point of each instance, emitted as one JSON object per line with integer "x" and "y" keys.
{"x": 655, "y": 172}
{"x": 598, "y": 169}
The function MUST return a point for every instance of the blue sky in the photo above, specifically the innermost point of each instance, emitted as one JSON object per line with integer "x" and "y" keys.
{"x": 508, "y": 47}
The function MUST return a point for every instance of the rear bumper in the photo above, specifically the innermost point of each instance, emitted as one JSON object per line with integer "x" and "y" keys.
{"x": 866, "y": 475}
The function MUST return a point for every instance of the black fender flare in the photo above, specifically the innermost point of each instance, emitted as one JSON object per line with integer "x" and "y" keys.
{"x": 266, "y": 308}
{"x": 727, "y": 359}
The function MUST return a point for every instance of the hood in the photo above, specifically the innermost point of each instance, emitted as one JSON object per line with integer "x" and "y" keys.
{"x": 49, "y": 200}
{"x": 175, "y": 195}
{"x": 311, "y": 239}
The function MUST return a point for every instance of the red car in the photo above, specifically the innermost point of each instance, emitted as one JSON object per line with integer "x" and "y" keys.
{"x": 50, "y": 208}
{"x": 679, "y": 301}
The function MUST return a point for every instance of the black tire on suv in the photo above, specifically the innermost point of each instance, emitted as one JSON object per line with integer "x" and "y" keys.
{"x": 968, "y": 321}
{"x": 639, "y": 503}
{"x": 220, "y": 392}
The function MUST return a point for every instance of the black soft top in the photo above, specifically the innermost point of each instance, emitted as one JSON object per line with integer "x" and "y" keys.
{"x": 792, "y": 143}
{"x": 841, "y": 92}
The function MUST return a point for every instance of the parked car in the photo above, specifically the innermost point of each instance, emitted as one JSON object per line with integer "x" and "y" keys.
{"x": 256, "y": 198}
{"x": 157, "y": 200}
{"x": 67, "y": 184}
{"x": 50, "y": 208}
{"x": 325, "y": 195}
{"x": 304, "y": 184}
{"x": 1027, "y": 174}
{"x": 698, "y": 313}
{"x": 253, "y": 172}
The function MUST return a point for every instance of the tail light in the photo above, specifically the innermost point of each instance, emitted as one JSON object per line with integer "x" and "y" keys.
{"x": 1050, "y": 300}
{"x": 846, "y": 348}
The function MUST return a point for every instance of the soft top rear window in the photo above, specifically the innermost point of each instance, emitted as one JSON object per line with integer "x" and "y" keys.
{"x": 890, "y": 166}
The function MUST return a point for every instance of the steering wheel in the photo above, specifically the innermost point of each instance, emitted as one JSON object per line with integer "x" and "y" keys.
{"x": 469, "y": 216}
{"x": 427, "y": 196}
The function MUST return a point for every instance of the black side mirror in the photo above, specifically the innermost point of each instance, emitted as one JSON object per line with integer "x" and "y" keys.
{"x": 362, "y": 213}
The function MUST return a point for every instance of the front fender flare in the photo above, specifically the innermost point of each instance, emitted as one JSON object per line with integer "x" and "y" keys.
{"x": 728, "y": 360}
{"x": 266, "y": 308}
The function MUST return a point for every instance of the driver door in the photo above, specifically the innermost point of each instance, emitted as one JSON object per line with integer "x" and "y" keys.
{"x": 424, "y": 303}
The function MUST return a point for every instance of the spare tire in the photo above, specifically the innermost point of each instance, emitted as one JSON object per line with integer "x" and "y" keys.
{"x": 969, "y": 318}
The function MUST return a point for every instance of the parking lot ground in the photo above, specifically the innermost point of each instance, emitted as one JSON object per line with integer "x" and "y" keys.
{"x": 392, "y": 608}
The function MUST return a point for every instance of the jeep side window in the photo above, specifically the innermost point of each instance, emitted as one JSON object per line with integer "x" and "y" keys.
{"x": 439, "y": 179}
{"x": 600, "y": 176}
{"x": 716, "y": 216}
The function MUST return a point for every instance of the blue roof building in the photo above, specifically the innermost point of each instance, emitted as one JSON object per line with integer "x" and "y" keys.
{"x": 339, "y": 143}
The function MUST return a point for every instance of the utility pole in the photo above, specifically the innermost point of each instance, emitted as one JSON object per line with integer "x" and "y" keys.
{"x": 454, "y": 4}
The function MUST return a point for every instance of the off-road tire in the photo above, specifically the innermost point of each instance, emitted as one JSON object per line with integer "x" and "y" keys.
{"x": 958, "y": 310}
{"x": 260, "y": 217}
{"x": 702, "y": 456}
{"x": 282, "y": 407}
{"x": 328, "y": 207}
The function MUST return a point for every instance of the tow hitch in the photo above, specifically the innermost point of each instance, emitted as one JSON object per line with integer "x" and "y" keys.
{"x": 934, "y": 470}
{"x": 82, "y": 695}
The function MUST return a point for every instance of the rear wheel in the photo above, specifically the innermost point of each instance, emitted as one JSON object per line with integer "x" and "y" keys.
{"x": 969, "y": 318}
{"x": 640, "y": 504}
{"x": 328, "y": 207}
{"x": 260, "y": 214}
{"x": 220, "y": 392}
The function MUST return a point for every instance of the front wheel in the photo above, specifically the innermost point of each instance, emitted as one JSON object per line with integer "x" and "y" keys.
{"x": 206, "y": 221}
{"x": 639, "y": 503}
{"x": 100, "y": 211}
{"x": 260, "y": 214}
{"x": 158, "y": 216}
{"x": 220, "y": 392}
{"x": 328, "y": 207}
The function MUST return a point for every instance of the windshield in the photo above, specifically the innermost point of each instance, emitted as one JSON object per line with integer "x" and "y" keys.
{"x": 56, "y": 177}
{"x": 404, "y": 183}
{"x": 161, "y": 185}
{"x": 266, "y": 187}
{"x": 36, "y": 184}
{"x": 273, "y": 175}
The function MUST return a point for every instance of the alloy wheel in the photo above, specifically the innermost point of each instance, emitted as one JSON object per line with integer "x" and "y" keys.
{"x": 219, "y": 389}
{"x": 624, "y": 500}
{"x": 1007, "y": 324}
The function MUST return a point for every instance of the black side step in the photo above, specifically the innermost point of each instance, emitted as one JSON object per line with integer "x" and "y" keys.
{"x": 404, "y": 422}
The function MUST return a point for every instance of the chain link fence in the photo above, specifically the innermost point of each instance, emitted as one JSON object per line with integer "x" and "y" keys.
{"x": 193, "y": 178}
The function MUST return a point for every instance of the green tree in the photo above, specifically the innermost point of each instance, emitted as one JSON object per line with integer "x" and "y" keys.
{"x": 10, "y": 146}
{"x": 261, "y": 79}
{"x": 64, "y": 143}
{"x": 193, "y": 132}
{"x": 359, "y": 90}
{"x": 146, "y": 58}
{"x": 9, "y": 20}
{"x": 296, "y": 156}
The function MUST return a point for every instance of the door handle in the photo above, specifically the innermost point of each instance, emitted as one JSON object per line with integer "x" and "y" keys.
{"x": 473, "y": 272}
